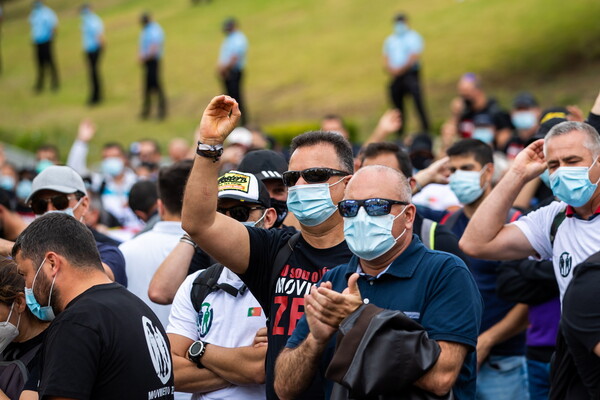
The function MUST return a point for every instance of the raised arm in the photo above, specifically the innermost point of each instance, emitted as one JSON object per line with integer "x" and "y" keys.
{"x": 220, "y": 236}
{"x": 487, "y": 236}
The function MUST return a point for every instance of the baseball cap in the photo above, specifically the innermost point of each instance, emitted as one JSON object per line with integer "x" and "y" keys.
{"x": 549, "y": 118}
{"x": 524, "y": 100}
{"x": 241, "y": 136}
{"x": 243, "y": 186}
{"x": 60, "y": 179}
{"x": 265, "y": 164}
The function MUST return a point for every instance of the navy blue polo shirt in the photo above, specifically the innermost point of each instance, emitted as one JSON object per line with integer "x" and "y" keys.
{"x": 433, "y": 288}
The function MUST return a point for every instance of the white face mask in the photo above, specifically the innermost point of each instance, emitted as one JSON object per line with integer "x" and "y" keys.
{"x": 8, "y": 332}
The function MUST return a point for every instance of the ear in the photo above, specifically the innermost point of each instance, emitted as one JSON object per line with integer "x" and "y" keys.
{"x": 346, "y": 180}
{"x": 410, "y": 212}
{"x": 489, "y": 172}
{"x": 141, "y": 215}
{"x": 412, "y": 182}
{"x": 55, "y": 262}
{"x": 270, "y": 217}
{"x": 20, "y": 303}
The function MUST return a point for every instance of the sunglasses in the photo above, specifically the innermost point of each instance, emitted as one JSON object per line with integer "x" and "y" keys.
{"x": 373, "y": 207}
{"x": 239, "y": 213}
{"x": 311, "y": 175}
{"x": 59, "y": 202}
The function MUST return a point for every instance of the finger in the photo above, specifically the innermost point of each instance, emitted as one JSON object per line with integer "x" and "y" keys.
{"x": 353, "y": 284}
{"x": 327, "y": 285}
{"x": 332, "y": 295}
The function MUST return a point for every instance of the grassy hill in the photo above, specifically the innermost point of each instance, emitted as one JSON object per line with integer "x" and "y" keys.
{"x": 307, "y": 58}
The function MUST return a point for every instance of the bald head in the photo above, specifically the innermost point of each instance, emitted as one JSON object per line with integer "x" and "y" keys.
{"x": 378, "y": 181}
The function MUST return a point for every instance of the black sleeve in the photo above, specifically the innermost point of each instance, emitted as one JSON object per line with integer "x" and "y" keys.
{"x": 581, "y": 309}
{"x": 264, "y": 245}
{"x": 502, "y": 120}
{"x": 447, "y": 241}
{"x": 112, "y": 256}
{"x": 34, "y": 373}
{"x": 526, "y": 281}
{"x": 594, "y": 120}
{"x": 70, "y": 361}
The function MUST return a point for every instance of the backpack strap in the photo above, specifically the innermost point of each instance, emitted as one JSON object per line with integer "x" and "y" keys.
{"x": 558, "y": 219}
{"x": 204, "y": 284}
{"x": 513, "y": 215}
{"x": 281, "y": 258}
{"x": 428, "y": 233}
{"x": 450, "y": 219}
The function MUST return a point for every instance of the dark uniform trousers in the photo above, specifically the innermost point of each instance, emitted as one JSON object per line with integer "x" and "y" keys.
{"x": 408, "y": 84}
{"x": 45, "y": 60}
{"x": 93, "y": 58}
{"x": 233, "y": 88}
{"x": 152, "y": 85}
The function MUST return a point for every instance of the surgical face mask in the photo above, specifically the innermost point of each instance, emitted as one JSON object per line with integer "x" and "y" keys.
{"x": 281, "y": 209}
{"x": 42, "y": 165}
{"x": 486, "y": 135}
{"x": 69, "y": 211}
{"x": 253, "y": 224}
{"x": 545, "y": 177}
{"x": 112, "y": 166}
{"x": 466, "y": 185}
{"x": 7, "y": 182}
{"x": 523, "y": 120}
{"x": 400, "y": 28}
{"x": 23, "y": 189}
{"x": 370, "y": 237}
{"x": 45, "y": 313}
{"x": 8, "y": 332}
{"x": 572, "y": 184}
{"x": 311, "y": 204}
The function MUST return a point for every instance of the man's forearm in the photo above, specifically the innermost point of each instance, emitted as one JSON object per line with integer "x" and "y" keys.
{"x": 513, "y": 323}
{"x": 240, "y": 365}
{"x": 191, "y": 379}
{"x": 171, "y": 274}
{"x": 441, "y": 377}
{"x": 295, "y": 368}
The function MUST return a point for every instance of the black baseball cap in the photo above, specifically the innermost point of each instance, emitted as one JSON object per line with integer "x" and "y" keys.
{"x": 524, "y": 100}
{"x": 265, "y": 164}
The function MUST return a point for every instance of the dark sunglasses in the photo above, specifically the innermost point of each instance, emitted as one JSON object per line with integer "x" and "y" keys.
{"x": 311, "y": 175}
{"x": 239, "y": 213}
{"x": 373, "y": 207}
{"x": 60, "y": 202}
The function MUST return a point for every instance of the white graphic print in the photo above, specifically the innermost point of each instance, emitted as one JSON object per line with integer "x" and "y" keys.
{"x": 158, "y": 349}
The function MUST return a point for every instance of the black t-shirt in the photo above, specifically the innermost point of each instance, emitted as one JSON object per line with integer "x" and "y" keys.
{"x": 14, "y": 351}
{"x": 580, "y": 322}
{"x": 285, "y": 306}
{"x": 106, "y": 344}
{"x": 444, "y": 239}
{"x": 500, "y": 118}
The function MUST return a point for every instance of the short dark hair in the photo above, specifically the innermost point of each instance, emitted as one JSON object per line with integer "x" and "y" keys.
{"x": 49, "y": 147}
{"x": 62, "y": 234}
{"x": 375, "y": 149}
{"x": 171, "y": 185}
{"x": 482, "y": 152}
{"x": 143, "y": 196}
{"x": 110, "y": 145}
{"x": 153, "y": 142}
{"x": 342, "y": 147}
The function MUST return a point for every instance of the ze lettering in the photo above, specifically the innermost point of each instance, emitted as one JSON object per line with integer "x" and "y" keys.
{"x": 283, "y": 301}
{"x": 296, "y": 312}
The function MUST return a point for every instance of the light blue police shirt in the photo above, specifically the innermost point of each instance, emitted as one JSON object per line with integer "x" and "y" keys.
{"x": 43, "y": 21}
{"x": 152, "y": 34}
{"x": 91, "y": 28}
{"x": 399, "y": 47}
{"x": 235, "y": 44}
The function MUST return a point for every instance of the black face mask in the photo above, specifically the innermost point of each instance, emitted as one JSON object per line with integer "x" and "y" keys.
{"x": 282, "y": 211}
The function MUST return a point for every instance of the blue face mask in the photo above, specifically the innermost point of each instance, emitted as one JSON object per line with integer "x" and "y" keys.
{"x": 466, "y": 185}
{"x": 23, "y": 189}
{"x": 42, "y": 165}
{"x": 400, "y": 28}
{"x": 523, "y": 120}
{"x": 311, "y": 204}
{"x": 112, "y": 166}
{"x": 253, "y": 224}
{"x": 572, "y": 185}
{"x": 7, "y": 182}
{"x": 42, "y": 313}
{"x": 545, "y": 177}
{"x": 486, "y": 135}
{"x": 370, "y": 237}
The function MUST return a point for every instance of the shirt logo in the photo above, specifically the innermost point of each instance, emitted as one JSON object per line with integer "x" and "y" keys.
{"x": 564, "y": 264}
{"x": 204, "y": 320}
{"x": 254, "y": 311}
{"x": 158, "y": 349}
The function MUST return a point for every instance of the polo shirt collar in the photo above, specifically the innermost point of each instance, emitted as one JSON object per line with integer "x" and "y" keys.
{"x": 404, "y": 266}
{"x": 570, "y": 212}
{"x": 172, "y": 227}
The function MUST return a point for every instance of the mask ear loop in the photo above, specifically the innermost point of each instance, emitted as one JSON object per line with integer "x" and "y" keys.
{"x": 404, "y": 231}
{"x": 595, "y": 161}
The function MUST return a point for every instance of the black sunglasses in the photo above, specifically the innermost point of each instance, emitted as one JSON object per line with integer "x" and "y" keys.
{"x": 373, "y": 207}
{"x": 239, "y": 213}
{"x": 60, "y": 202}
{"x": 311, "y": 175}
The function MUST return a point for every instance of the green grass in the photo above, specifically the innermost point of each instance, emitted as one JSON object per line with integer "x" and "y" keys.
{"x": 307, "y": 58}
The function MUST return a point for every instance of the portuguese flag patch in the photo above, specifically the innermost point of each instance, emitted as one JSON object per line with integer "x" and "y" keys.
{"x": 254, "y": 312}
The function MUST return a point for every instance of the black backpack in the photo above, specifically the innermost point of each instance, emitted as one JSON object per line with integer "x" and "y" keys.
{"x": 14, "y": 374}
{"x": 207, "y": 281}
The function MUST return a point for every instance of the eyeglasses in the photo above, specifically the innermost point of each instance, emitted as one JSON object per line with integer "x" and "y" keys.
{"x": 373, "y": 207}
{"x": 311, "y": 175}
{"x": 239, "y": 213}
{"x": 60, "y": 202}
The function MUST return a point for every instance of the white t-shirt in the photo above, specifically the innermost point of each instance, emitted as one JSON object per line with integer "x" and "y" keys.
{"x": 224, "y": 321}
{"x": 437, "y": 197}
{"x": 144, "y": 254}
{"x": 576, "y": 239}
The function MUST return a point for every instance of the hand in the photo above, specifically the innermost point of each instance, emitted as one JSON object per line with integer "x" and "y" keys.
{"x": 484, "y": 346}
{"x": 260, "y": 339}
{"x": 437, "y": 172}
{"x": 530, "y": 162}
{"x": 575, "y": 114}
{"x": 319, "y": 330}
{"x": 334, "y": 307}
{"x": 86, "y": 130}
{"x": 6, "y": 247}
{"x": 390, "y": 122}
{"x": 219, "y": 119}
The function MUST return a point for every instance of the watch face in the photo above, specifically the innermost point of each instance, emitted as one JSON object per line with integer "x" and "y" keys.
{"x": 195, "y": 348}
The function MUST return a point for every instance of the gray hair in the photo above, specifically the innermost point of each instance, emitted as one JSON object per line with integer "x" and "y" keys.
{"x": 593, "y": 139}
{"x": 399, "y": 181}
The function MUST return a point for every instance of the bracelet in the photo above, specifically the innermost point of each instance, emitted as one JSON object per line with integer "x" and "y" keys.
{"x": 187, "y": 239}
{"x": 210, "y": 151}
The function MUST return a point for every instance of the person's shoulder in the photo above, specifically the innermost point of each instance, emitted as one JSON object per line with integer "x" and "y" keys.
{"x": 442, "y": 261}
{"x": 337, "y": 272}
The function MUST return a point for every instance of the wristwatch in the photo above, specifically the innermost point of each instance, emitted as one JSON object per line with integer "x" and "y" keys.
{"x": 210, "y": 151}
{"x": 196, "y": 351}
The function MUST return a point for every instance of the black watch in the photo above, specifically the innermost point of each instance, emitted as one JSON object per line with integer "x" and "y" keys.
{"x": 208, "y": 151}
{"x": 196, "y": 351}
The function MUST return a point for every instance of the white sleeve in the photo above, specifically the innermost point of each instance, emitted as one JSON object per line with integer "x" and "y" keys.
{"x": 536, "y": 227}
{"x": 78, "y": 157}
{"x": 182, "y": 319}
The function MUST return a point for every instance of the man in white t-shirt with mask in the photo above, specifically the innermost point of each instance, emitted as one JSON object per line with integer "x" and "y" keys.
{"x": 567, "y": 231}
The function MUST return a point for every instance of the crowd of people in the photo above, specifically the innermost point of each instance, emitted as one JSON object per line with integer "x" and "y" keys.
{"x": 459, "y": 266}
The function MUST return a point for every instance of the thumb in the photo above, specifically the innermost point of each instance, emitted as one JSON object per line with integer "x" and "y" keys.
{"x": 353, "y": 285}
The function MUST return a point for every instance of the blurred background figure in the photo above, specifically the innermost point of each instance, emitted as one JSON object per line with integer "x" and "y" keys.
{"x": 92, "y": 30}
{"x": 150, "y": 54}
{"x": 232, "y": 60}
{"x": 44, "y": 24}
